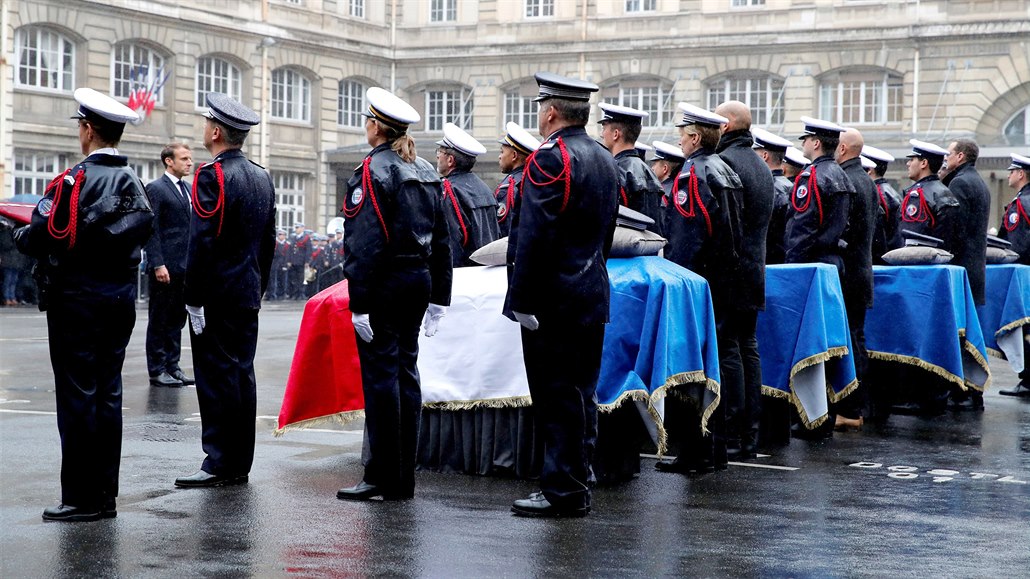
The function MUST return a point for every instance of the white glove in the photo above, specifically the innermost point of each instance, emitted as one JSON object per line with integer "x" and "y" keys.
{"x": 197, "y": 321}
{"x": 528, "y": 321}
{"x": 432, "y": 319}
{"x": 362, "y": 326}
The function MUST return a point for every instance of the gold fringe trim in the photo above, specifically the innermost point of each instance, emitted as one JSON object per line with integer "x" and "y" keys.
{"x": 669, "y": 388}
{"x": 510, "y": 402}
{"x": 1012, "y": 326}
{"x": 913, "y": 361}
{"x": 340, "y": 418}
{"x": 833, "y": 397}
{"x": 979, "y": 359}
{"x": 996, "y": 353}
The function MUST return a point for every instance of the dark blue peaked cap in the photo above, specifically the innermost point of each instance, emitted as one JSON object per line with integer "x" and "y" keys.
{"x": 556, "y": 86}
{"x": 226, "y": 110}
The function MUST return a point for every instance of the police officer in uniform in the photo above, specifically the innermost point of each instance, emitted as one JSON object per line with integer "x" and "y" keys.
{"x": 887, "y": 234}
{"x": 398, "y": 266}
{"x": 87, "y": 233}
{"x": 232, "y": 239}
{"x": 928, "y": 206}
{"x": 771, "y": 149}
{"x": 277, "y": 287}
{"x": 166, "y": 263}
{"x": 1015, "y": 228}
{"x": 299, "y": 257}
{"x": 471, "y": 208}
{"x": 794, "y": 162}
{"x": 559, "y": 290}
{"x": 744, "y": 407}
{"x": 858, "y": 269}
{"x": 820, "y": 200}
{"x": 516, "y": 146}
{"x": 666, "y": 165}
{"x": 639, "y": 188}
{"x": 703, "y": 228}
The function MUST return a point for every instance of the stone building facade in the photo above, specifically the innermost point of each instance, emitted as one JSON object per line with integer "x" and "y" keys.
{"x": 929, "y": 69}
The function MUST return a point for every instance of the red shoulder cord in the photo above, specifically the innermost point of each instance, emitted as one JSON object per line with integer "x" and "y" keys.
{"x": 369, "y": 192}
{"x": 219, "y": 207}
{"x": 692, "y": 193}
{"x": 566, "y": 173}
{"x": 71, "y": 227}
{"x": 622, "y": 194}
{"x": 509, "y": 199}
{"x": 1022, "y": 214}
{"x": 449, "y": 193}
{"x": 813, "y": 186}
{"x": 922, "y": 214}
{"x": 883, "y": 201}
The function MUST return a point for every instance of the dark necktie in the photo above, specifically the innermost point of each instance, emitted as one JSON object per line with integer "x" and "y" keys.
{"x": 184, "y": 191}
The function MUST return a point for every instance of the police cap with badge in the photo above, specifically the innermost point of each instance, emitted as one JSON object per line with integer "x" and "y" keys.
{"x": 1019, "y": 163}
{"x": 919, "y": 249}
{"x": 924, "y": 150}
{"x": 666, "y": 152}
{"x": 455, "y": 138}
{"x": 878, "y": 156}
{"x": 389, "y": 109}
{"x": 611, "y": 113}
{"x": 519, "y": 139}
{"x": 794, "y": 156}
{"x": 97, "y": 107}
{"x": 769, "y": 141}
{"x": 229, "y": 112}
{"x": 695, "y": 115}
{"x": 556, "y": 86}
{"x": 820, "y": 128}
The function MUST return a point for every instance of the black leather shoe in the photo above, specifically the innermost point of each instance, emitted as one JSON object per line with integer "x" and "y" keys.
{"x": 201, "y": 479}
{"x": 538, "y": 506}
{"x": 685, "y": 467}
{"x": 69, "y": 514}
{"x": 1020, "y": 391}
{"x": 360, "y": 492}
{"x": 109, "y": 510}
{"x": 164, "y": 379}
{"x": 182, "y": 377}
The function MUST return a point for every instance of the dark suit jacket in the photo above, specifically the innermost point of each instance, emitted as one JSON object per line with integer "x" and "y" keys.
{"x": 970, "y": 249}
{"x": 167, "y": 246}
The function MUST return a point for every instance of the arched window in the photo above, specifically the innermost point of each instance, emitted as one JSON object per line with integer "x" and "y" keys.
{"x": 45, "y": 59}
{"x": 761, "y": 92}
{"x": 445, "y": 105}
{"x": 861, "y": 97}
{"x": 650, "y": 94}
{"x": 291, "y": 95}
{"x": 1017, "y": 129}
{"x": 135, "y": 67}
{"x": 351, "y": 104}
{"x": 217, "y": 75}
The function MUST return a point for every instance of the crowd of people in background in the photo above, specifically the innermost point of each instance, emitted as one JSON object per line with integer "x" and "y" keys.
{"x": 304, "y": 264}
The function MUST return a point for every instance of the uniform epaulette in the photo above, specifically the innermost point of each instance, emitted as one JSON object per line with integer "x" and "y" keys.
{"x": 546, "y": 146}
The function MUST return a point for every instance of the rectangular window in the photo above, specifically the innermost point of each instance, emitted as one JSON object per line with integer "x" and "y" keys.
{"x": 147, "y": 171}
{"x": 291, "y": 95}
{"x": 764, "y": 96}
{"x": 520, "y": 110}
{"x": 33, "y": 171}
{"x": 351, "y": 104}
{"x": 137, "y": 68}
{"x": 357, "y": 8}
{"x": 444, "y": 106}
{"x": 45, "y": 60}
{"x": 743, "y": 3}
{"x": 539, "y": 8}
{"x": 858, "y": 101}
{"x": 216, "y": 75}
{"x": 289, "y": 198}
{"x": 641, "y": 5}
{"x": 443, "y": 10}
{"x": 647, "y": 98}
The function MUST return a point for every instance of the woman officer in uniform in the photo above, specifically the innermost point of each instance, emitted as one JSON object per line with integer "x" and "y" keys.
{"x": 397, "y": 264}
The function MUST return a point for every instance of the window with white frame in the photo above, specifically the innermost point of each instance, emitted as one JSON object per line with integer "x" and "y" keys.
{"x": 216, "y": 75}
{"x": 520, "y": 109}
{"x": 650, "y": 94}
{"x": 763, "y": 95}
{"x": 291, "y": 95}
{"x": 1017, "y": 129}
{"x": 147, "y": 171}
{"x": 861, "y": 98}
{"x": 289, "y": 198}
{"x": 45, "y": 59}
{"x": 641, "y": 5}
{"x": 357, "y": 8}
{"x": 743, "y": 3}
{"x": 454, "y": 105}
{"x": 351, "y": 104}
{"x": 443, "y": 10}
{"x": 136, "y": 67}
{"x": 33, "y": 171}
{"x": 539, "y": 8}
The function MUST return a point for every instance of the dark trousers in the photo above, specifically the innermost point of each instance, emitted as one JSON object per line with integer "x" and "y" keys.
{"x": 296, "y": 277}
{"x": 563, "y": 362}
{"x": 278, "y": 283}
{"x": 741, "y": 372}
{"x": 223, "y": 360}
{"x": 167, "y": 316}
{"x": 88, "y": 334}
{"x": 857, "y": 403}
{"x": 393, "y": 400}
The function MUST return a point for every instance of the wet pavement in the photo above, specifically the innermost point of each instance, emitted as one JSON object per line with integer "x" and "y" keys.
{"x": 941, "y": 496}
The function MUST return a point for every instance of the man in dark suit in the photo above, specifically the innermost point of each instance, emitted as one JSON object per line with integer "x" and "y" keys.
{"x": 232, "y": 239}
{"x": 558, "y": 290}
{"x": 166, "y": 264}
